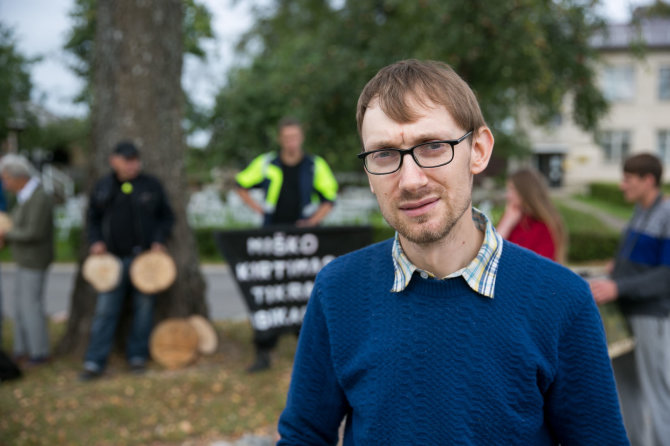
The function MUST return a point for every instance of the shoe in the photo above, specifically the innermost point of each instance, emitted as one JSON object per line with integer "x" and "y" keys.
{"x": 137, "y": 368}
{"x": 37, "y": 361}
{"x": 89, "y": 375}
{"x": 262, "y": 363}
{"x": 20, "y": 359}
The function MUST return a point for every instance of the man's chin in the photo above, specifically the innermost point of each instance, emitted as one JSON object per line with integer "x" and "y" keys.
{"x": 421, "y": 233}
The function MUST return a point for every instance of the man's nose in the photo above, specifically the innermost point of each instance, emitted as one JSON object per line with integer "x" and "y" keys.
{"x": 412, "y": 176}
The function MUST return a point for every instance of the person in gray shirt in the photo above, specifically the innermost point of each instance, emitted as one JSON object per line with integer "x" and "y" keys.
{"x": 31, "y": 242}
{"x": 640, "y": 281}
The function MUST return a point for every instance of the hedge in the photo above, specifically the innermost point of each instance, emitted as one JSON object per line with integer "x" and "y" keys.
{"x": 588, "y": 246}
{"x": 607, "y": 192}
{"x": 610, "y": 192}
{"x": 583, "y": 246}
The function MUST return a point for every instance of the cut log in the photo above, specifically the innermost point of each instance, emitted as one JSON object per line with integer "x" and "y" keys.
{"x": 102, "y": 271}
{"x": 153, "y": 271}
{"x": 174, "y": 343}
{"x": 208, "y": 341}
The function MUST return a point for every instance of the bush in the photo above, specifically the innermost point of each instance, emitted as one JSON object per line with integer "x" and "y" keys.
{"x": 207, "y": 249}
{"x": 585, "y": 243}
{"x": 587, "y": 246}
{"x": 607, "y": 192}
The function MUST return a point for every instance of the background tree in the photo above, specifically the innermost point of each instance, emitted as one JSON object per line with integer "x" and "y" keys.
{"x": 15, "y": 84}
{"x": 659, "y": 8}
{"x": 81, "y": 43}
{"x": 311, "y": 59}
{"x": 136, "y": 94}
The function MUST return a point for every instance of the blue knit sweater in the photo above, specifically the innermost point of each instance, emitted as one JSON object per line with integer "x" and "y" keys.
{"x": 438, "y": 364}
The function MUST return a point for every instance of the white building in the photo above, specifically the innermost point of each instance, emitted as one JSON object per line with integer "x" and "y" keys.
{"x": 638, "y": 120}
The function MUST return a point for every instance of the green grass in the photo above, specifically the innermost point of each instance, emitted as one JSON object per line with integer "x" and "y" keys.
{"x": 578, "y": 221}
{"x": 212, "y": 399}
{"x": 575, "y": 221}
{"x": 621, "y": 211}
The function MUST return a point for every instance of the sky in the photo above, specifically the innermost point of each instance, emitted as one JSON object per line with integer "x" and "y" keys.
{"x": 41, "y": 27}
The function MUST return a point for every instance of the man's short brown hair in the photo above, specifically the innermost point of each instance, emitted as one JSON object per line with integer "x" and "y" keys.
{"x": 644, "y": 164}
{"x": 424, "y": 81}
{"x": 289, "y": 121}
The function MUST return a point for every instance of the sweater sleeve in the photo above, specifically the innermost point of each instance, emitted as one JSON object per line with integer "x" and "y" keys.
{"x": 38, "y": 219}
{"x": 653, "y": 281}
{"x": 650, "y": 284}
{"x": 581, "y": 404}
{"x": 316, "y": 404}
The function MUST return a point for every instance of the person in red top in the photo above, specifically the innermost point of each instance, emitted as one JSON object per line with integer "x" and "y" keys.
{"x": 530, "y": 219}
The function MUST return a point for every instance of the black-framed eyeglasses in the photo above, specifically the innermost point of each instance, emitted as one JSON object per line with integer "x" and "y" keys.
{"x": 426, "y": 155}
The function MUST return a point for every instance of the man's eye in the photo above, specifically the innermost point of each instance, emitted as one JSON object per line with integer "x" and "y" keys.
{"x": 435, "y": 146}
{"x": 384, "y": 154}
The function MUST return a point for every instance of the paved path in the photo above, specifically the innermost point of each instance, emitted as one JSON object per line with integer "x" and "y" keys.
{"x": 223, "y": 297}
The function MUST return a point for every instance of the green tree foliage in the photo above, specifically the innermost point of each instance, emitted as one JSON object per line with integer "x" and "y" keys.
{"x": 657, "y": 9}
{"x": 58, "y": 136}
{"x": 15, "y": 84}
{"x": 310, "y": 59}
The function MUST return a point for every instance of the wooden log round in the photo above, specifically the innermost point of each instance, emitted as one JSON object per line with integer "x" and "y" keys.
{"x": 208, "y": 341}
{"x": 153, "y": 271}
{"x": 174, "y": 343}
{"x": 102, "y": 271}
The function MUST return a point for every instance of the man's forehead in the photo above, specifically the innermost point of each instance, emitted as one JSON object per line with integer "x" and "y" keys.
{"x": 377, "y": 122}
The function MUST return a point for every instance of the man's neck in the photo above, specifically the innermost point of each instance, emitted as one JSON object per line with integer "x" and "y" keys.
{"x": 649, "y": 198}
{"x": 291, "y": 159}
{"x": 453, "y": 252}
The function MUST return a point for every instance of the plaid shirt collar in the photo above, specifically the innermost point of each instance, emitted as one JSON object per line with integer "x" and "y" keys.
{"x": 480, "y": 274}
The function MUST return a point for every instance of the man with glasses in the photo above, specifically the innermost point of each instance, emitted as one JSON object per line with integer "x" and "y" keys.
{"x": 445, "y": 334}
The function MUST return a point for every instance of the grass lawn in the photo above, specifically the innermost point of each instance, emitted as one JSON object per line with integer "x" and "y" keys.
{"x": 578, "y": 221}
{"x": 617, "y": 210}
{"x": 212, "y": 399}
{"x": 574, "y": 220}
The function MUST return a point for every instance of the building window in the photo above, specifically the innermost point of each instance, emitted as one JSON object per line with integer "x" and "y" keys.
{"x": 618, "y": 83}
{"x": 663, "y": 145}
{"x": 615, "y": 144}
{"x": 664, "y": 83}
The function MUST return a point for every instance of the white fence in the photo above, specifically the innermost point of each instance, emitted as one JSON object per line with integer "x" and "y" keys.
{"x": 206, "y": 208}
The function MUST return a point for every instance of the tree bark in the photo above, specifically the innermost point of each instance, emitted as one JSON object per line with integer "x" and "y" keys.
{"x": 137, "y": 96}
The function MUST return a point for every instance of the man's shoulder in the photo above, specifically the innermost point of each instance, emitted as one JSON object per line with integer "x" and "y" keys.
{"x": 149, "y": 179}
{"x": 529, "y": 277}
{"x": 664, "y": 207}
{"x": 658, "y": 222}
{"x": 522, "y": 263}
{"x": 105, "y": 179}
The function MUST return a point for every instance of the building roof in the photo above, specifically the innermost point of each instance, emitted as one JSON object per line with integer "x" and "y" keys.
{"x": 654, "y": 33}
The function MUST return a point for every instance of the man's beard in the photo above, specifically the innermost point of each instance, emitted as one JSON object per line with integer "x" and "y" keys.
{"x": 413, "y": 232}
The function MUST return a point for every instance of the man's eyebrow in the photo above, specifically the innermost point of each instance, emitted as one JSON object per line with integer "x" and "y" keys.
{"x": 422, "y": 137}
{"x": 381, "y": 144}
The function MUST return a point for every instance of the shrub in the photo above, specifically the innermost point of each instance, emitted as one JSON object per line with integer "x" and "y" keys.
{"x": 607, "y": 192}
{"x": 588, "y": 246}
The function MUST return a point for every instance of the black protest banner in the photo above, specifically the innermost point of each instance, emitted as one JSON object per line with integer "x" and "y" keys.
{"x": 275, "y": 267}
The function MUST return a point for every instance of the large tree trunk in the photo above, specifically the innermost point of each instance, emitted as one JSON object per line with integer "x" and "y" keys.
{"x": 138, "y": 96}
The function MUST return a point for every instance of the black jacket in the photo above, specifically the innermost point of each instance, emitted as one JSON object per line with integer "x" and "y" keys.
{"x": 128, "y": 216}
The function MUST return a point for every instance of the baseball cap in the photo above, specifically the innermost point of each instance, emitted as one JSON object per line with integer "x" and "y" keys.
{"x": 126, "y": 149}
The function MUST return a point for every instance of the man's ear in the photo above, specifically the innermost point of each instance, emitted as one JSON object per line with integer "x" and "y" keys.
{"x": 372, "y": 189}
{"x": 482, "y": 147}
{"x": 650, "y": 180}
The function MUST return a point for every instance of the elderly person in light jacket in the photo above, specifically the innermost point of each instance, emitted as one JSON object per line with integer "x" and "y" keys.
{"x": 31, "y": 242}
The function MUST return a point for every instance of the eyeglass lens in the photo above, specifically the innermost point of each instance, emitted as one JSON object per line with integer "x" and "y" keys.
{"x": 431, "y": 154}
